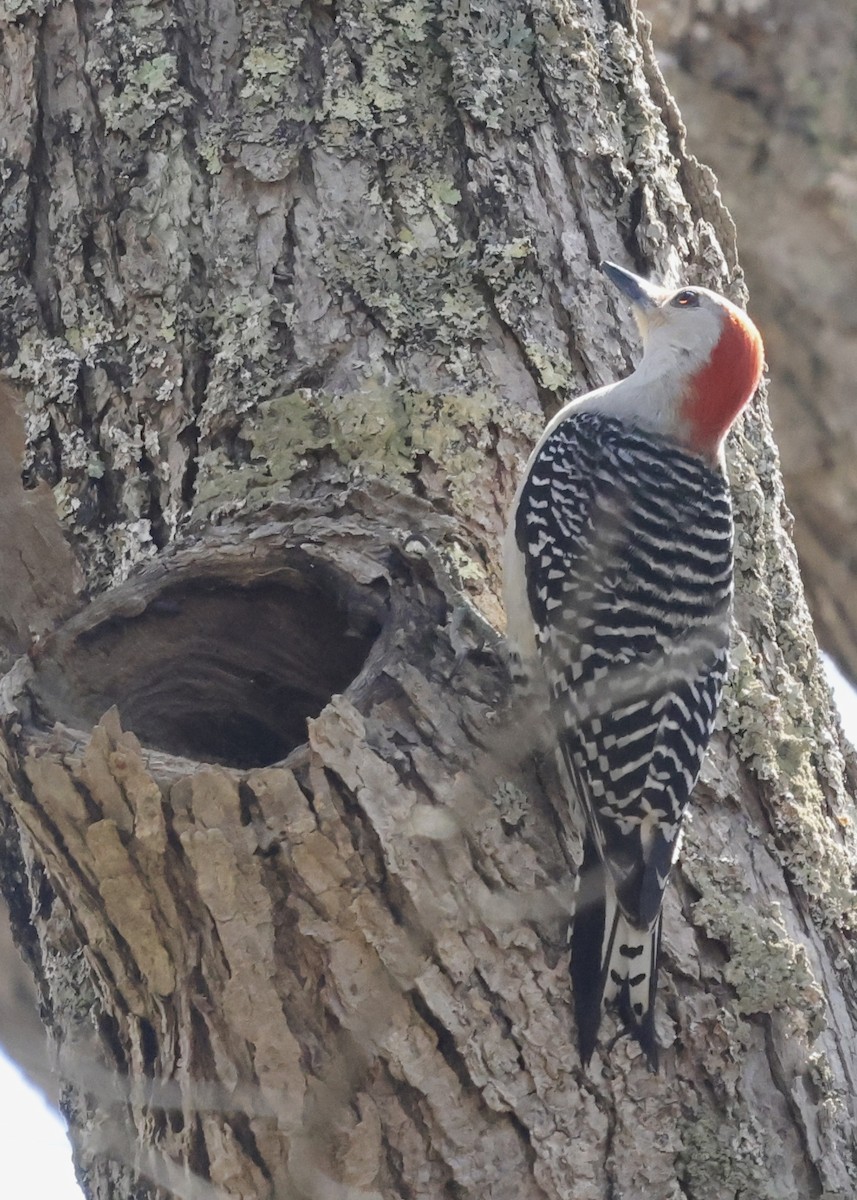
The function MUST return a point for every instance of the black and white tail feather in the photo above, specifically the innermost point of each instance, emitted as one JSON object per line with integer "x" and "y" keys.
{"x": 612, "y": 962}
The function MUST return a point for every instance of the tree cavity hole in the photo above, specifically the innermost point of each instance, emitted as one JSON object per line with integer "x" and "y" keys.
{"x": 217, "y": 671}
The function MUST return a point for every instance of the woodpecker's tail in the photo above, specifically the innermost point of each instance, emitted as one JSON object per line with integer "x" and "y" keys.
{"x": 611, "y": 961}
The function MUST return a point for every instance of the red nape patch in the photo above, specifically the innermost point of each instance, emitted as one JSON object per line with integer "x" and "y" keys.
{"x": 719, "y": 390}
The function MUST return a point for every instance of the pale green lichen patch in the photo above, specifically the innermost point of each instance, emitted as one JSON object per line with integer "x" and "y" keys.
{"x": 378, "y": 431}
{"x": 272, "y": 63}
{"x": 463, "y": 567}
{"x": 726, "y": 1157}
{"x": 426, "y": 292}
{"x": 776, "y": 705}
{"x": 368, "y": 429}
{"x": 767, "y": 969}
{"x": 815, "y": 853}
{"x": 146, "y": 92}
{"x": 50, "y": 368}
{"x": 12, "y": 10}
{"x": 649, "y": 152}
{"x": 408, "y": 264}
{"x": 554, "y": 370}
{"x": 399, "y": 85}
{"x": 596, "y": 69}
{"x": 778, "y": 745}
{"x": 411, "y": 267}
{"x": 518, "y": 287}
{"x": 271, "y": 78}
{"x": 505, "y": 93}
{"x": 133, "y": 69}
{"x": 243, "y": 369}
{"x": 749, "y": 709}
{"x": 263, "y": 99}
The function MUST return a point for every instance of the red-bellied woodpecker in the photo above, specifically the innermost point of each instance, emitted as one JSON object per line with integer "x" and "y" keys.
{"x": 618, "y": 587}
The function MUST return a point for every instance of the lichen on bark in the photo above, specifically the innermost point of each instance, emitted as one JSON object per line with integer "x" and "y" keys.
{"x": 296, "y": 332}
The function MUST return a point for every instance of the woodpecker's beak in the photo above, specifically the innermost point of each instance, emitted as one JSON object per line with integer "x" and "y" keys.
{"x": 643, "y": 295}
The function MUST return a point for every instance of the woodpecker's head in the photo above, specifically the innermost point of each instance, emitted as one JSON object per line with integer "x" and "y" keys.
{"x": 704, "y": 352}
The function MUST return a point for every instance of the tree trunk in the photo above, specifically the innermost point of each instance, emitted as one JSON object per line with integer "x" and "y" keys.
{"x": 289, "y": 292}
{"x": 769, "y": 91}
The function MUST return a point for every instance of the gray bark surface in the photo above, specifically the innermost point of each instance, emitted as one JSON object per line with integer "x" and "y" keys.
{"x": 288, "y": 292}
{"x": 769, "y": 95}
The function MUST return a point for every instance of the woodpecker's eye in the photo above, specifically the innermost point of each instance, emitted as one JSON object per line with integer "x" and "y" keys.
{"x": 686, "y": 299}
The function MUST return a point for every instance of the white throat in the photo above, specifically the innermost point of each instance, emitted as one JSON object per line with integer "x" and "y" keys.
{"x": 648, "y": 399}
{"x": 651, "y": 397}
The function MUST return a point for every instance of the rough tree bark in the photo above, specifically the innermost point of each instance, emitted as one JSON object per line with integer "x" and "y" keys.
{"x": 287, "y": 294}
{"x": 769, "y": 89}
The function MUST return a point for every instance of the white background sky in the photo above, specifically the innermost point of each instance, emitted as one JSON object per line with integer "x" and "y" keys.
{"x": 34, "y": 1150}
{"x": 35, "y": 1158}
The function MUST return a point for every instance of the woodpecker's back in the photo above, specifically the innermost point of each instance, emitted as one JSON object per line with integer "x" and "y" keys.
{"x": 618, "y": 589}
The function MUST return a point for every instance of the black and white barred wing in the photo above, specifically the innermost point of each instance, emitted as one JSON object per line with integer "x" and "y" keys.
{"x": 628, "y": 550}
